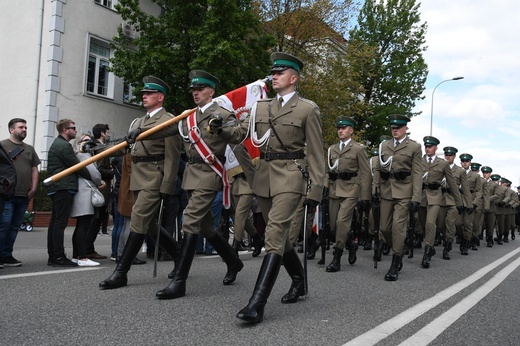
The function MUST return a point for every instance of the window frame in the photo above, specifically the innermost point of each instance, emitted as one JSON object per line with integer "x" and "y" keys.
{"x": 99, "y": 59}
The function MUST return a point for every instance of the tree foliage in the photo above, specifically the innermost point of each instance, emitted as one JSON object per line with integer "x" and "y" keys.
{"x": 385, "y": 58}
{"x": 223, "y": 37}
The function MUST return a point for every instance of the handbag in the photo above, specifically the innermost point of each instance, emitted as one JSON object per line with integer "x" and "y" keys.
{"x": 97, "y": 198}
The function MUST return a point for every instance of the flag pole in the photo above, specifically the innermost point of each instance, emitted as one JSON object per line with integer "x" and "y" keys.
{"x": 116, "y": 148}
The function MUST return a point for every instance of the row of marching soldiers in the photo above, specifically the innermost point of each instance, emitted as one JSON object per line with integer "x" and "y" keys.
{"x": 400, "y": 198}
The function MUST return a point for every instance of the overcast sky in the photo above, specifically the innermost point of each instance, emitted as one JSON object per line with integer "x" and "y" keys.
{"x": 479, "y": 114}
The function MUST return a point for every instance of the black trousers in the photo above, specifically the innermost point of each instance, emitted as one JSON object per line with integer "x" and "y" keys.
{"x": 61, "y": 206}
{"x": 79, "y": 237}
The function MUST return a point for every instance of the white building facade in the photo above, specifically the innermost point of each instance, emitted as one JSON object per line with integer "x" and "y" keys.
{"x": 54, "y": 59}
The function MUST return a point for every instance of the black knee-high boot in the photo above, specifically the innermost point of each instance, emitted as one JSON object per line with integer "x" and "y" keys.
{"x": 118, "y": 277}
{"x": 294, "y": 268}
{"x": 254, "y": 311}
{"x": 233, "y": 262}
{"x": 177, "y": 287}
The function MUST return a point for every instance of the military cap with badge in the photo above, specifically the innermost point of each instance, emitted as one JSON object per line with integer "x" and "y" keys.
{"x": 486, "y": 169}
{"x": 430, "y": 140}
{"x": 397, "y": 120}
{"x": 283, "y": 61}
{"x": 344, "y": 121}
{"x": 450, "y": 151}
{"x": 202, "y": 79}
{"x": 466, "y": 157}
{"x": 154, "y": 84}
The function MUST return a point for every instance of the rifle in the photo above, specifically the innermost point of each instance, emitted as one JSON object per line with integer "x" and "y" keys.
{"x": 116, "y": 148}
{"x": 376, "y": 213}
{"x": 325, "y": 222}
{"x": 410, "y": 233}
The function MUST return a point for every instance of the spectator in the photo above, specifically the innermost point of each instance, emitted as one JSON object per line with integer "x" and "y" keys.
{"x": 101, "y": 138}
{"x": 116, "y": 216}
{"x": 82, "y": 208}
{"x": 26, "y": 165}
{"x": 61, "y": 156}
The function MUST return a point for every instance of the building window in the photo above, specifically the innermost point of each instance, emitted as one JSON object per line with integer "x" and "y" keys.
{"x": 129, "y": 94}
{"x": 107, "y": 3}
{"x": 99, "y": 80}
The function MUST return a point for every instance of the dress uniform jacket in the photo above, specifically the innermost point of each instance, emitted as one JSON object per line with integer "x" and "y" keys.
{"x": 352, "y": 159}
{"x": 298, "y": 130}
{"x": 492, "y": 191}
{"x": 438, "y": 170}
{"x": 459, "y": 174}
{"x": 407, "y": 158}
{"x": 298, "y": 126}
{"x": 475, "y": 187}
{"x": 199, "y": 175}
{"x": 149, "y": 175}
{"x": 502, "y": 197}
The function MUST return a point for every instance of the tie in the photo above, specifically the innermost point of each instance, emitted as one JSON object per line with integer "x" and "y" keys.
{"x": 147, "y": 116}
{"x": 342, "y": 146}
{"x": 280, "y": 101}
{"x": 396, "y": 144}
{"x": 430, "y": 161}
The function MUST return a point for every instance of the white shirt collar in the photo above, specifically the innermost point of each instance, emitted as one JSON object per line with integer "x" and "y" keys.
{"x": 206, "y": 106}
{"x": 346, "y": 142}
{"x": 152, "y": 113}
{"x": 285, "y": 97}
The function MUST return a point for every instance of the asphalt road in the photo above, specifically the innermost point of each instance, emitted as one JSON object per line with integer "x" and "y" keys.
{"x": 469, "y": 300}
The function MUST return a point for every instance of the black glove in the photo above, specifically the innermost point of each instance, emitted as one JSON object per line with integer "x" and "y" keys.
{"x": 310, "y": 204}
{"x": 365, "y": 205}
{"x": 471, "y": 210}
{"x": 460, "y": 209}
{"x": 132, "y": 135}
{"x": 486, "y": 211}
{"x": 501, "y": 204}
{"x": 414, "y": 206}
{"x": 215, "y": 124}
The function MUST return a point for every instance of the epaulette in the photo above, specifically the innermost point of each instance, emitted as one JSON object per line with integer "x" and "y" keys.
{"x": 413, "y": 140}
{"x": 264, "y": 100}
{"x": 312, "y": 103}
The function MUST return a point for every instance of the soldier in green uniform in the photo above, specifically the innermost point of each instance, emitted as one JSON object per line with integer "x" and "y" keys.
{"x": 478, "y": 218}
{"x": 475, "y": 187}
{"x": 501, "y": 202}
{"x": 203, "y": 177}
{"x": 401, "y": 185}
{"x": 508, "y": 209}
{"x": 435, "y": 171}
{"x": 287, "y": 130}
{"x": 489, "y": 211}
{"x": 154, "y": 175}
{"x": 451, "y": 213}
{"x": 349, "y": 183}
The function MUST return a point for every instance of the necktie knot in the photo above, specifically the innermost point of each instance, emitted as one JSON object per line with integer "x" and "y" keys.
{"x": 280, "y": 102}
{"x": 430, "y": 160}
{"x": 396, "y": 144}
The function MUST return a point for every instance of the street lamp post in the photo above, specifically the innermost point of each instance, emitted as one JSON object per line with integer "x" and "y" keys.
{"x": 433, "y": 92}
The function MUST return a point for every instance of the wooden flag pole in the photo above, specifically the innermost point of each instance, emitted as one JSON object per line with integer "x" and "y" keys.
{"x": 116, "y": 148}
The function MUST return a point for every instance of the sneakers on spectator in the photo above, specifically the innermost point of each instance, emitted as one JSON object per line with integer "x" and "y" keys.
{"x": 87, "y": 263}
{"x": 113, "y": 257}
{"x": 75, "y": 260}
{"x": 10, "y": 262}
{"x": 63, "y": 262}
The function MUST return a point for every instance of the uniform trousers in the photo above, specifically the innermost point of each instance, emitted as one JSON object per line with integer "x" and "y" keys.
{"x": 144, "y": 212}
{"x": 501, "y": 222}
{"x": 341, "y": 212}
{"x": 198, "y": 217}
{"x": 394, "y": 220}
{"x": 490, "y": 220}
{"x": 428, "y": 217}
{"x": 446, "y": 222}
{"x": 478, "y": 219}
{"x": 242, "y": 221}
{"x": 279, "y": 212}
{"x": 468, "y": 225}
{"x": 297, "y": 222}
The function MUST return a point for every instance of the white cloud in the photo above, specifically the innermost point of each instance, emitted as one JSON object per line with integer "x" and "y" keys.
{"x": 479, "y": 114}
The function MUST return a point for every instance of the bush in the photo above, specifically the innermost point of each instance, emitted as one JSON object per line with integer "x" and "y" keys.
{"x": 41, "y": 201}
